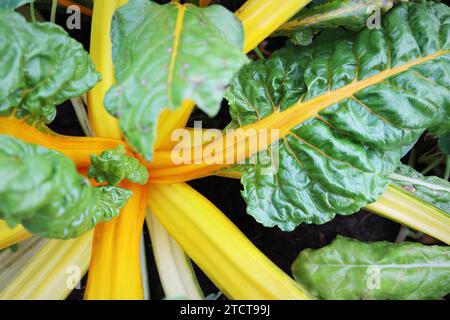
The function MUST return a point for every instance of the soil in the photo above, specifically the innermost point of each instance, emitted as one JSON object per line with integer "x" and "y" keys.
{"x": 281, "y": 247}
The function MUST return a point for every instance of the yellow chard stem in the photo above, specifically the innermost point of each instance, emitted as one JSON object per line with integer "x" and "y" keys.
{"x": 261, "y": 17}
{"x": 218, "y": 247}
{"x": 9, "y": 236}
{"x": 103, "y": 124}
{"x": 114, "y": 272}
{"x": 399, "y": 205}
{"x": 52, "y": 272}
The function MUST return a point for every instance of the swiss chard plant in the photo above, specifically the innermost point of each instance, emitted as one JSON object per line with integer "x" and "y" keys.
{"x": 345, "y": 95}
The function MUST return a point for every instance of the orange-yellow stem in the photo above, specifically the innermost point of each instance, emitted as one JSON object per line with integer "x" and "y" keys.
{"x": 114, "y": 271}
{"x": 76, "y": 148}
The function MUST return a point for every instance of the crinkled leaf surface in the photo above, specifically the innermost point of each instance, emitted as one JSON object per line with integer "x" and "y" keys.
{"x": 428, "y": 188}
{"x": 13, "y": 4}
{"x": 42, "y": 190}
{"x": 113, "y": 166}
{"x": 349, "y": 269}
{"x": 166, "y": 54}
{"x": 349, "y": 14}
{"x": 40, "y": 67}
{"x": 388, "y": 84}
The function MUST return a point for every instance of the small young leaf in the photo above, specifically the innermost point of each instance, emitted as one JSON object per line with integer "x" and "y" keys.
{"x": 42, "y": 190}
{"x": 430, "y": 189}
{"x": 349, "y": 269}
{"x": 113, "y": 166}
{"x": 40, "y": 67}
{"x": 379, "y": 90}
{"x": 166, "y": 54}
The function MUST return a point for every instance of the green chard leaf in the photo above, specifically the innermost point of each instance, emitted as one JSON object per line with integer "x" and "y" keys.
{"x": 40, "y": 67}
{"x": 113, "y": 166}
{"x": 13, "y": 4}
{"x": 431, "y": 189}
{"x": 349, "y": 14}
{"x": 444, "y": 143}
{"x": 166, "y": 54}
{"x": 351, "y": 270}
{"x": 384, "y": 88}
{"x": 42, "y": 190}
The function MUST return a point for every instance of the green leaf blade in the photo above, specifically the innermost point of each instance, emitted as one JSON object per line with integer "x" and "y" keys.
{"x": 340, "y": 160}
{"x": 349, "y": 269}
{"x": 40, "y": 67}
{"x": 177, "y": 53}
{"x": 42, "y": 190}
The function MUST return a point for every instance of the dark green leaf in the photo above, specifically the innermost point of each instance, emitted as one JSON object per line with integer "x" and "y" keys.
{"x": 40, "y": 67}
{"x": 167, "y": 54}
{"x": 444, "y": 143}
{"x": 349, "y": 14}
{"x": 349, "y": 269}
{"x": 339, "y": 160}
{"x": 113, "y": 166}
{"x": 430, "y": 189}
{"x": 42, "y": 190}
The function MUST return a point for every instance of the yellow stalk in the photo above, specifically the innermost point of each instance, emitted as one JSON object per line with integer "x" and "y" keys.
{"x": 115, "y": 265}
{"x": 52, "y": 272}
{"x": 103, "y": 124}
{"x": 12, "y": 262}
{"x": 398, "y": 205}
{"x": 218, "y": 247}
{"x": 261, "y": 17}
{"x": 114, "y": 272}
{"x": 9, "y": 236}
{"x": 174, "y": 267}
{"x": 164, "y": 171}
{"x": 76, "y": 148}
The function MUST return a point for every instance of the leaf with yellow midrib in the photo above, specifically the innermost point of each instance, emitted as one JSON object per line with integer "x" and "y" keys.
{"x": 165, "y": 55}
{"x": 350, "y": 104}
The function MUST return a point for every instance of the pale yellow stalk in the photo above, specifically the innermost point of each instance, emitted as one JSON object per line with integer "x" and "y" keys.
{"x": 218, "y": 247}
{"x": 398, "y": 205}
{"x": 52, "y": 272}
{"x": 174, "y": 267}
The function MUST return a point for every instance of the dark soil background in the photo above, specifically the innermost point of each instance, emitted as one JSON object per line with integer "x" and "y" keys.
{"x": 281, "y": 247}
